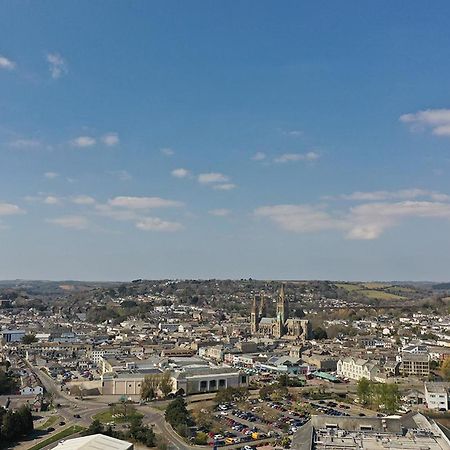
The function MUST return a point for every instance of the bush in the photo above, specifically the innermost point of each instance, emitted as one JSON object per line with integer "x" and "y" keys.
{"x": 201, "y": 438}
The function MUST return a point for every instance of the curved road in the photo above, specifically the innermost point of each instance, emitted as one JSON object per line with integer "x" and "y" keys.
{"x": 88, "y": 408}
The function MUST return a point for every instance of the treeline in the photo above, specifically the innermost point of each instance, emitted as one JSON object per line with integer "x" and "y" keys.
{"x": 8, "y": 383}
{"x": 14, "y": 425}
{"x": 137, "y": 432}
{"x": 382, "y": 396}
{"x": 179, "y": 417}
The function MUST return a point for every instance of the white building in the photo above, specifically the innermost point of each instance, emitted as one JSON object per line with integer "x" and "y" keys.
{"x": 95, "y": 441}
{"x": 12, "y": 335}
{"x": 32, "y": 390}
{"x": 356, "y": 368}
{"x": 437, "y": 395}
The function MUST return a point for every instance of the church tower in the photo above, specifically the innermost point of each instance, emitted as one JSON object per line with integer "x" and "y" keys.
{"x": 262, "y": 306}
{"x": 254, "y": 319}
{"x": 282, "y": 314}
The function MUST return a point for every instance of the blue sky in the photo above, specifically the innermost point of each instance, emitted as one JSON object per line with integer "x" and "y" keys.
{"x": 225, "y": 139}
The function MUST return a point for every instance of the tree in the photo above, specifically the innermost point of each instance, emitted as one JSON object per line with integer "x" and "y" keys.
{"x": 445, "y": 368}
{"x": 166, "y": 385}
{"x": 149, "y": 386}
{"x": 29, "y": 339}
{"x": 201, "y": 438}
{"x": 390, "y": 397}
{"x": 266, "y": 391}
{"x": 177, "y": 414}
{"x": 319, "y": 333}
{"x": 25, "y": 419}
{"x": 283, "y": 380}
{"x": 203, "y": 418}
{"x": 364, "y": 391}
{"x": 382, "y": 396}
{"x": 279, "y": 393}
{"x": 8, "y": 384}
{"x": 10, "y": 426}
{"x": 231, "y": 394}
{"x": 95, "y": 427}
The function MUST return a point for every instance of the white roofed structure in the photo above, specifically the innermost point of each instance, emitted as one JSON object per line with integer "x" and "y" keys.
{"x": 95, "y": 442}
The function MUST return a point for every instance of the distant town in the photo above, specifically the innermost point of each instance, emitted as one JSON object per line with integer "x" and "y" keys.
{"x": 194, "y": 364}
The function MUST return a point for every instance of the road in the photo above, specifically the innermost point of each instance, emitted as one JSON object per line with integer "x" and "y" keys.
{"x": 88, "y": 408}
{"x": 69, "y": 407}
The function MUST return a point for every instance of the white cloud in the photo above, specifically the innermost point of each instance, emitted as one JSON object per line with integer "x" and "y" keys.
{"x": 57, "y": 65}
{"x": 224, "y": 186}
{"x": 259, "y": 156}
{"x": 157, "y": 224}
{"x": 438, "y": 120}
{"x": 212, "y": 177}
{"x": 442, "y": 130}
{"x": 369, "y": 221}
{"x": 116, "y": 214}
{"x": 83, "y": 200}
{"x": 51, "y": 175}
{"x": 110, "y": 139}
{"x": 83, "y": 141}
{"x": 366, "y": 221}
{"x": 220, "y": 212}
{"x": 294, "y": 157}
{"x": 25, "y": 143}
{"x": 167, "y": 151}
{"x": 142, "y": 202}
{"x": 402, "y": 194}
{"x": 300, "y": 218}
{"x": 293, "y": 133}
{"x": 122, "y": 175}
{"x": 52, "y": 200}
{"x": 9, "y": 209}
{"x": 6, "y": 63}
{"x": 180, "y": 173}
{"x": 73, "y": 222}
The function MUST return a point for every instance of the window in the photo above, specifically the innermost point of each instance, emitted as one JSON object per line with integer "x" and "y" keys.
{"x": 203, "y": 384}
{"x": 222, "y": 383}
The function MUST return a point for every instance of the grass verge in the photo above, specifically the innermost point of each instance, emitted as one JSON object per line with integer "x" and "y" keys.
{"x": 73, "y": 429}
{"x": 48, "y": 423}
{"x": 107, "y": 416}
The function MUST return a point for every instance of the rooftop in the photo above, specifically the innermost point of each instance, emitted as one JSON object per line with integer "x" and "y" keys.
{"x": 95, "y": 442}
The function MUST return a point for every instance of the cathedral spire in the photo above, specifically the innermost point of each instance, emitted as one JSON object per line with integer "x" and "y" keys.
{"x": 254, "y": 316}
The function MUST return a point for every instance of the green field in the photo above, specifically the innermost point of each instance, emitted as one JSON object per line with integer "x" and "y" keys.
{"x": 349, "y": 287}
{"x": 58, "y": 436}
{"x": 375, "y": 285}
{"x": 382, "y": 295}
{"x": 379, "y": 291}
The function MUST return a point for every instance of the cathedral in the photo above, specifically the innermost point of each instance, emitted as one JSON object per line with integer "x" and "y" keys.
{"x": 280, "y": 326}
